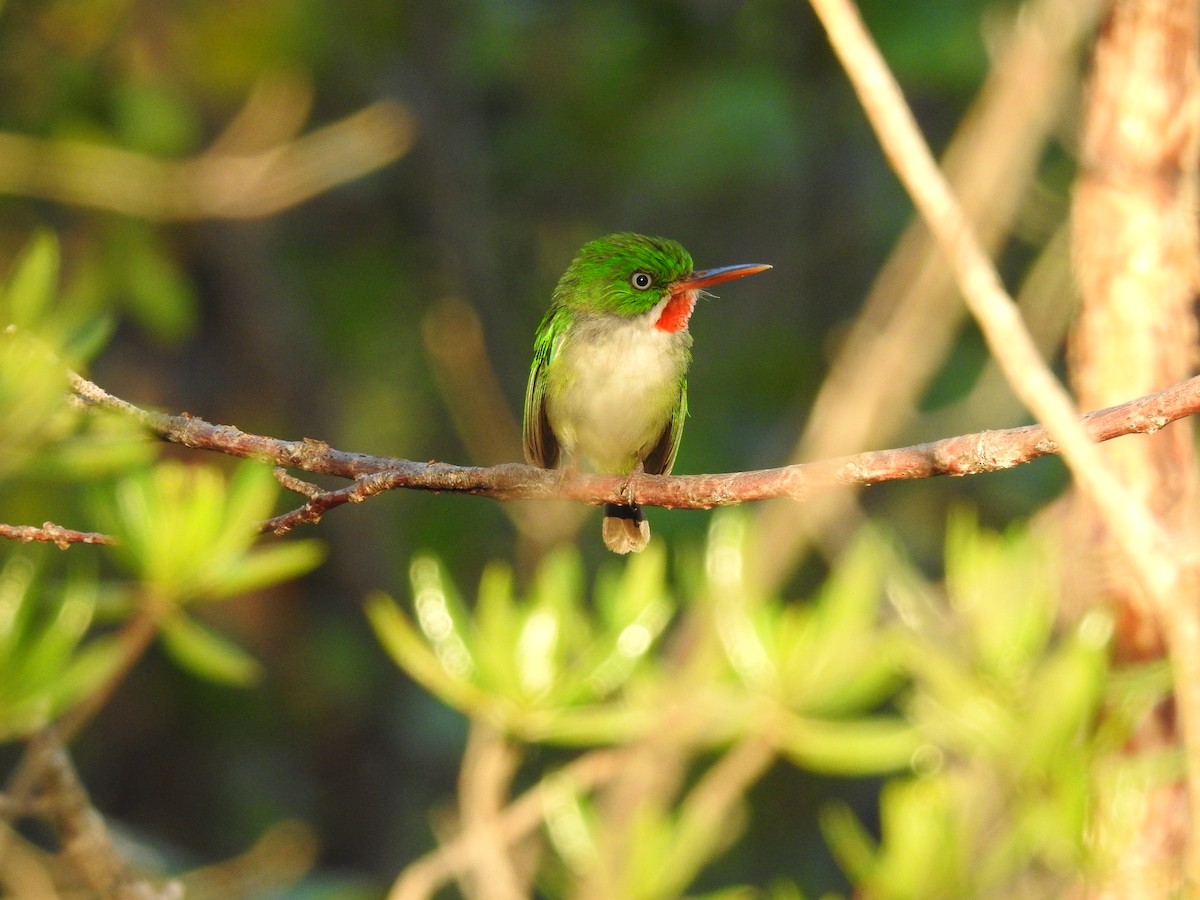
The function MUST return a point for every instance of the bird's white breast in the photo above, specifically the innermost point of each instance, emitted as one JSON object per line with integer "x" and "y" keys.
{"x": 613, "y": 387}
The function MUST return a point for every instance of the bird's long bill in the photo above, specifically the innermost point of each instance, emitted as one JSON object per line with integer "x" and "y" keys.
{"x": 707, "y": 277}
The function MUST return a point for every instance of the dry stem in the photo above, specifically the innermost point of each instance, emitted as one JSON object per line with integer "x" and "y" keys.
{"x": 913, "y": 311}
{"x": 257, "y": 168}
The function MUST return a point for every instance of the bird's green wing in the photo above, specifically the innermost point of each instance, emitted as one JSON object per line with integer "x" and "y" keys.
{"x": 662, "y": 457}
{"x": 541, "y": 446}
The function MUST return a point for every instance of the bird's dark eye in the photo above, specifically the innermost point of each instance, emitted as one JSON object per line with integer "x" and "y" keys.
{"x": 641, "y": 280}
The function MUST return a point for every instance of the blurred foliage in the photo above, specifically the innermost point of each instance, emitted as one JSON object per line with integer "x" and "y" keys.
{"x": 36, "y": 341}
{"x": 187, "y": 535}
{"x": 68, "y": 628}
{"x": 989, "y": 715}
{"x": 545, "y": 668}
{"x": 46, "y": 666}
{"x": 724, "y": 125}
{"x": 999, "y": 802}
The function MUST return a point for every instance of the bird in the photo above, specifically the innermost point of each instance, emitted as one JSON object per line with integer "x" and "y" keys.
{"x": 607, "y": 387}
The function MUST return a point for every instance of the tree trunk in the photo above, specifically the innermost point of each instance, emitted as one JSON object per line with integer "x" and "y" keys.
{"x": 1134, "y": 221}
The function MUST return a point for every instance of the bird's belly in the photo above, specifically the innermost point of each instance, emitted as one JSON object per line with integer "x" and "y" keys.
{"x": 613, "y": 394}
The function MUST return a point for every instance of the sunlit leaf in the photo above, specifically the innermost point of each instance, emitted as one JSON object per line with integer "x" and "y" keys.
{"x": 409, "y": 650}
{"x": 208, "y": 654}
{"x": 1003, "y": 587}
{"x": 47, "y": 660}
{"x": 266, "y": 566}
{"x": 852, "y": 845}
{"x": 860, "y": 746}
{"x": 88, "y": 338}
{"x": 190, "y": 535}
{"x": 100, "y": 446}
{"x": 32, "y": 283}
{"x": 921, "y": 846}
{"x": 154, "y": 290}
{"x": 441, "y": 616}
{"x": 32, "y": 409}
{"x": 1064, "y": 696}
{"x": 496, "y": 628}
{"x": 540, "y": 666}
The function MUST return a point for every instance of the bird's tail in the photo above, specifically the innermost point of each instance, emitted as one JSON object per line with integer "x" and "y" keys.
{"x": 625, "y": 528}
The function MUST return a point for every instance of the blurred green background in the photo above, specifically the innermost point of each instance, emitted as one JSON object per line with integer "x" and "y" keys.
{"x": 725, "y": 125}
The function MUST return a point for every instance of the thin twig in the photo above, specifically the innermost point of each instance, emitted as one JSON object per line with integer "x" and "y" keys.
{"x": 422, "y": 878}
{"x": 488, "y": 765}
{"x": 708, "y": 811}
{"x": 271, "y": 867}
{"x": 135, "y": 637}
{"x": 81, "y": 829}
{"x": 296, "y": 485}
{"x": 25, "y": 870}
{"x": 83, "y": 835}
{"x": 49, "y": 533}
{"x": 1150, "y": 552}
{"x": 912, "y": 311}
{"x": 320, "y": 502}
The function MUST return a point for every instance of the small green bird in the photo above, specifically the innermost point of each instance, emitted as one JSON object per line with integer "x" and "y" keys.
{"x": 608, "y": 385}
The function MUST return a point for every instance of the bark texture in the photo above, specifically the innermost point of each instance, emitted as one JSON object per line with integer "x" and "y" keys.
{"x": 1134, "y": 221}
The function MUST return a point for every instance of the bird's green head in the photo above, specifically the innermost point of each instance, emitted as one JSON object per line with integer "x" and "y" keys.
{"x": 627, "y": 274}
{"x": 630, "y": 274}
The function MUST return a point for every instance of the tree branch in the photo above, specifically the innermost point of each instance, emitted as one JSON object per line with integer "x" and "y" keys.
{"x": 1153, "y": 555}
{"x": 49, "y": 533}
{"x": 969, "y": 454}
{"x": 522, "y": 816}
{"x": 913, "y": 311}
{"x": 85, "y": 843}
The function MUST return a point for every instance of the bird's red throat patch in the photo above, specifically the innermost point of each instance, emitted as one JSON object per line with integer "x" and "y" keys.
{"x": 676, "y": 313}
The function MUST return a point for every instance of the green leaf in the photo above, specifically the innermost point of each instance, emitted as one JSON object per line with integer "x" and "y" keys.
{"x": 33, "y": 413}
{"x": 541, "y": 667}
{"x": 154, "y": 117}
{"x": 1007, "y": 714}
{"x": 642, "y": 583}
{"x": 266, "y": 566}
{"x": 570, "y": 822}
{"x": 916, "y": 856}
{"x": 497, "y": 624}
{"x": 558, "y": 597}
{"x": 442, "y": 676}
{"x": 1003, "y": 586}
{"x": 88, "y": 338}
{"x": 441, "y": 616}
{"x": 46, "y": 662}
{"x": 862, "y": 746}
{"x": 1064, "y": 697}
{"x": 850, "y": 842}
{"x": 636, "y": 610}
{"x": 582, "y": 726}
{"x": 539, "y": 650}
{"x": 208, "y": 654}
{"x": 847, "y": 603}
{"x": 103, "y": 445}
{"x": 190, "y": 535}
{"x": 32, "y": 283}
{"x": 157, "y": 294}
{"x": 92, "y": 664}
